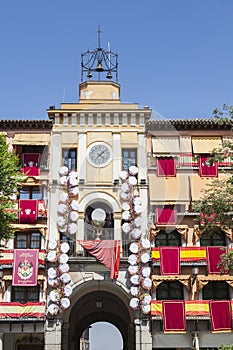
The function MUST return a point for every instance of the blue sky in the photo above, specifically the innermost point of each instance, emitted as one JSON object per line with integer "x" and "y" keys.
{"x": 174, "y": 55}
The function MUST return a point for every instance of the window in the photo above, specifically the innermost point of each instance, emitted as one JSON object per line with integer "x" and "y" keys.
{"x": 129, "y": 157}
{"x": 215, "y": 290}
{"x": 166, "y": 215}
{"x": 166, "y": 166}
{"x": 25, "y": 294}
{"x": 69, "y": 158}
{"x": 28, "y": 240}
{"x": 213, "y": 237}
{"x": 170, "y": 290}
{"x": 171, "y": 239}
{"x": 206, "y": 168}
{"x": 31, "y": 192}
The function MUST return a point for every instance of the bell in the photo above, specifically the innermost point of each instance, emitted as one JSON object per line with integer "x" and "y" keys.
{"x": 109, "y": 75}
{"x": 99, "y": 68}
{"x": 89, "y": 75}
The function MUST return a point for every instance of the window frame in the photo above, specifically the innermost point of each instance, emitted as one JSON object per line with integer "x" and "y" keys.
{"x": 25, "y": 290}
{"x": 69, "y": 158}
{"x": 166, "y": 239}
{"x": 128, "y": 161}
{"x": 210, "y": 291}
{"x": 170, "y": 290}
{"x": 28, "y": 240}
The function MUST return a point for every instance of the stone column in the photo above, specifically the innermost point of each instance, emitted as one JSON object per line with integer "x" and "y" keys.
{"x": 116, "y": 155}
{"x": 82, "y": 156}
{"x": 1, "y": 341}
{"x": 143, "y": 338}
{"x": 52, "y": 335}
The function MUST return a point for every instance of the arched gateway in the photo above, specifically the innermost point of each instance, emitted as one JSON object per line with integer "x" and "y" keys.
{"x": 93, "y": 301}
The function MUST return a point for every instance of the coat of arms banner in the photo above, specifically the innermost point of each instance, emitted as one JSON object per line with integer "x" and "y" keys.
{"x": 25, "y": 267}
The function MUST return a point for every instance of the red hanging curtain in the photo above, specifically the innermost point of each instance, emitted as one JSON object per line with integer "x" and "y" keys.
{"x": 28, "y": 211}
{"x": 174, "y": 320}
{"x": 166, "y": 166}
{"x": 166, "y": 216}
{"x": 169, "y": 260}
{"x": 214, "y": 258}
{"x": 220, "y": 315}
{"x": 206, "y": 169}
{"x": 31, "y": 164}
{"x": 25, "y": 267}
{"x": 106, "y": 251}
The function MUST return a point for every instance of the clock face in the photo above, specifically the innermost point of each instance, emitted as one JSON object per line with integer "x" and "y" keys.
{"x": 99, "y": 154}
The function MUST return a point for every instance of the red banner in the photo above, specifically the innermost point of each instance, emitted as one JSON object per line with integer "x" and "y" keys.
{"x": 25, "y": 267}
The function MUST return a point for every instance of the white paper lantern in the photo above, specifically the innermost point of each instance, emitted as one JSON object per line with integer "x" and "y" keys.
{"x": 63, "y": 258}
{"x": 146, "y": 271}
{"x": 73, "y": 174}
{"x": 63, "y": 268}
{"x": 137, "y": 222}
{"x": 125, "y": 206}
{"x": 126, "y": 215}
{"x": 146, "y": 283}
{"x": 74, "y": 191}
{"x": 133, "y": 180}
{"x": 64, "y": 180}
{"x": 132, "y": 259}
{"x": 65, "y": 278}
{"x": 146, "y": 299}
{"x": 53, "y": 309}
{"x": 54, "y": 296}
{"x": 134, "y": 291}
{"x": 125, "y": 196}
{"x": 136, "y": 233}
{"x": 73, "y": 215}
{"x": 135, "y": 280}
{"x": 63, "y": 171}
{"x": 133, "y": 170}
{"x": 72, "y": 228}
{"x": 61, "y": 221}
{"x": 138, "y": 209}
{"x": 134, "y": 303}
{"x": 74, "y": 205}
{"x": 146, "y": 309}
{"x": 133, "y": 269}
{"x": 123, "y": 175}
{"x": 125, "y": 187}
{"x": 64, "y": 247}
{"x": 145, "y": 243}
{"x": 64, "y": 197}
{"x": 145, "y": 257}
{"x": 52, "y": 244}
{"x": 134, "y": 247}
{"x": 126, "y": 227}
{"x": 62, "y": 209}
{"x": 65, "y": 303}
{"x": 73, "y": 181}
{"x": 67, "y": 291}
{"x": 137, "y": 200}
{"x": 52, "y": 272}
{"x": 53, "y": 282}
{"x": 52, "y": 256}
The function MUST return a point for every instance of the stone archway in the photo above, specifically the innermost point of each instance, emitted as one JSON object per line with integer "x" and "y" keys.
{"x": 115, "y": 310}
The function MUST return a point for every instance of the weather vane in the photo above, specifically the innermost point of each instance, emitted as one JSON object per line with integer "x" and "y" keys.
{"x": 99, "y": 61}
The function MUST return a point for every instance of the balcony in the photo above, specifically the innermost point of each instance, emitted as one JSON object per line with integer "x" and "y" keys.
{"x": 13, "y": 310}
{"x": 30, "y": 210}
{"x": 193, "y": 309}
{"x": 187, "y": 161}
{"x": 7, "y": 257}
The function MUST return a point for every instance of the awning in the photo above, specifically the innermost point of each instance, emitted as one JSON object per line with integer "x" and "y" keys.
{"x": 170, "y": 190}
{"x": 31, "y": 139}
{"x": 205, "y": 144}
{"x": 198, "y": 183}
{"x": 168, "y": 145}
{"x": 185, "y": 144}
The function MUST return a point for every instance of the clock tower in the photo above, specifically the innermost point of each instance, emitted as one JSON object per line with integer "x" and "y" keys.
{"x": 97, "y": 138}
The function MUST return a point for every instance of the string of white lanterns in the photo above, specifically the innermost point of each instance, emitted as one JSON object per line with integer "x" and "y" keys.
{"x": 139, "y": 269}
{"x": 59, "y": 278}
